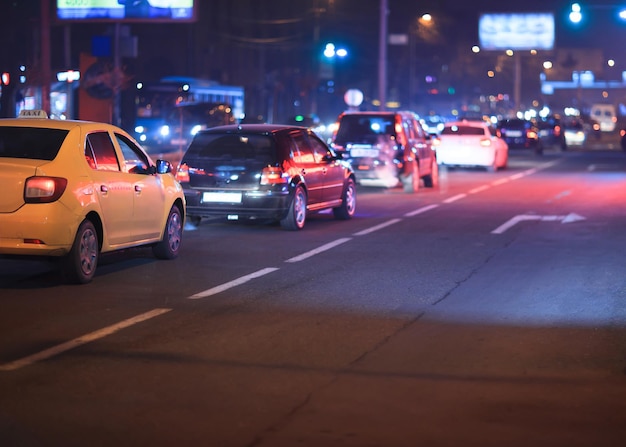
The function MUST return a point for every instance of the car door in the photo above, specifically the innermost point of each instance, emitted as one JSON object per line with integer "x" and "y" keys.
{"x": 331, "y": 167}
{"x": 112, "y": 187}
{"x": 422, "y": 145}
{"x": 148, "y": 194}
{"x": 309, "y": 166}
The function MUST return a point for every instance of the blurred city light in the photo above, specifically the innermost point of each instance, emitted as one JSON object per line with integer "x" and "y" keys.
{"x": 331, "y": 51}
{"x": 575, "y": 15}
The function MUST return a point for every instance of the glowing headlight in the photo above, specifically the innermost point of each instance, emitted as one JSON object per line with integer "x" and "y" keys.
{"x": 165, "y": 131}
{"x": 140, "y": 129}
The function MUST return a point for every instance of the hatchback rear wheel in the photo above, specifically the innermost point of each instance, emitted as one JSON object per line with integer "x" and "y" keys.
{"x": 296, "y": 216}
{"x": 348, "y": 202}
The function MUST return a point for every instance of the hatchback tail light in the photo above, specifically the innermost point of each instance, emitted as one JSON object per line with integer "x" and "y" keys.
{"x": 272, "y": 175}
{"x": 44, "y": 189}
{"x": 182, "y": 174}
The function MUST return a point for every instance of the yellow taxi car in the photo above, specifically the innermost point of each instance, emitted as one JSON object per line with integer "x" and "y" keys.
{"x": 72, "y": 190}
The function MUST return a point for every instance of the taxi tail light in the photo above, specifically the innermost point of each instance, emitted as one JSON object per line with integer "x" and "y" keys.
{"x": 485, "y": 142}
{"x": 44, "y": 189}
{"x": 272, "y": 175}
{"x": 182, "y": 174}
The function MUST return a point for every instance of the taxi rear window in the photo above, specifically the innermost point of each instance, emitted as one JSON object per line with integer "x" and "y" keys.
{"x": 31, "y": 142}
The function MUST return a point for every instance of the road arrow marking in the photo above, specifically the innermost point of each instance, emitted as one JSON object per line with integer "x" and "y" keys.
{"x": 571, "y": 217}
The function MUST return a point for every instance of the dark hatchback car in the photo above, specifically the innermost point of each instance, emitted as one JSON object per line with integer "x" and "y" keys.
{"x": 521, "y": 133}
{"x": 263, "y": 171}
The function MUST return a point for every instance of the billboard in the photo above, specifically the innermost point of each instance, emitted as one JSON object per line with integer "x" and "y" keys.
{"x": 516, "y": 31}
{"x": 126, "y": 10}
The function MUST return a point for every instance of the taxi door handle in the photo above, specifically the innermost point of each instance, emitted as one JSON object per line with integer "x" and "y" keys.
{"x": 137, "y": 188}
{"x": 104, "y": 189}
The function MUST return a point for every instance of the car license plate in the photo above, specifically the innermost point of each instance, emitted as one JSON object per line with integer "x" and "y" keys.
{"x": 362, "y": 152}
{"x": 222, "y": 197}
{"x": 179, "y": 141}
{"x": 514, "y": 133}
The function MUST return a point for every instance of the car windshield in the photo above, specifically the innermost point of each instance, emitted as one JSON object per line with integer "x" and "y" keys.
{"x": 233, "y": 147}
{"x": 463, "y": 130}
{"x": 364, "y": 128}
{"x": 31, "y": 142}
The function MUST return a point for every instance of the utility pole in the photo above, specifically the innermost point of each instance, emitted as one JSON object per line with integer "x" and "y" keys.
{"x": 46, "y": 73}
{"x": 382, "y": 55}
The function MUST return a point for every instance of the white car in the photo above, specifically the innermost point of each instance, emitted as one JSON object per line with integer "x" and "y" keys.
{"x": 471, "y": 144}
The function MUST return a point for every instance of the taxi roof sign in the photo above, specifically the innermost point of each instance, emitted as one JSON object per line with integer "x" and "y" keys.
{"x": 33, "y": 114}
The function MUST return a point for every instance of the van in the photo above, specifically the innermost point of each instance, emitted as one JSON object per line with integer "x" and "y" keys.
{"x": 605, "y": 115}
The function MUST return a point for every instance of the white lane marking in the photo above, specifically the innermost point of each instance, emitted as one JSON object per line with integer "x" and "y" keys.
{"x": 233, "y": 283}
{"x": 501, "y": 181}
{"x": 377, "y": 227}
{"x": 569, "y": 218}
{"x": 58, "y": 349}
{"x": 479, "y": 189}
{"x": 318, "y": 250}
{"x": 421, "y": 210}
{"x": 455, "y": 198}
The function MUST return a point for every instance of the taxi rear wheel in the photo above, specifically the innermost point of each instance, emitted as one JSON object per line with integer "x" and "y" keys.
{"x": 79, "y": 266}
{"x": 169, "y": 246}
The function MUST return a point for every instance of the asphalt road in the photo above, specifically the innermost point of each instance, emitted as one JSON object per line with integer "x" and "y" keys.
{"x": 490, "y": 311}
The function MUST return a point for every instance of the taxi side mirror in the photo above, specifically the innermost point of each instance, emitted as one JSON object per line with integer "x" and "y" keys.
{"x": 163, "y": 167}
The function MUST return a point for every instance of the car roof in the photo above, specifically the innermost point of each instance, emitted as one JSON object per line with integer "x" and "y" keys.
{"x": 471, "y": 123}
{"x": 252, "y": 128}
{"x": 48, "y": 123}
{"x": 379, "y": 112}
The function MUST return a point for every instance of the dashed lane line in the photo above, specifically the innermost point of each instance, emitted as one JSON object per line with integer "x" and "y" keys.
{"x": 63, "y": 347}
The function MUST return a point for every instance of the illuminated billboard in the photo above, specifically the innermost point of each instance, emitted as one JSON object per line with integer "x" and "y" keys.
{"x": 523, "y": 31}
{"x": 127, "y": 10}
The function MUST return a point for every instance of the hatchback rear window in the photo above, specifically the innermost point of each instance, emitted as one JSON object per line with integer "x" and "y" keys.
{"x": 463, "y": 130}
{"x": 233, "y": 147}
{"x": 31, "y": 142}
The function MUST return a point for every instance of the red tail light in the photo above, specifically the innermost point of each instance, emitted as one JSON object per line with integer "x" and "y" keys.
{"x": 272, "y": 175}
{"x": 182, "y": 174}
{"x": 532, "y": 134}
{"x": 44, "y": 189}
